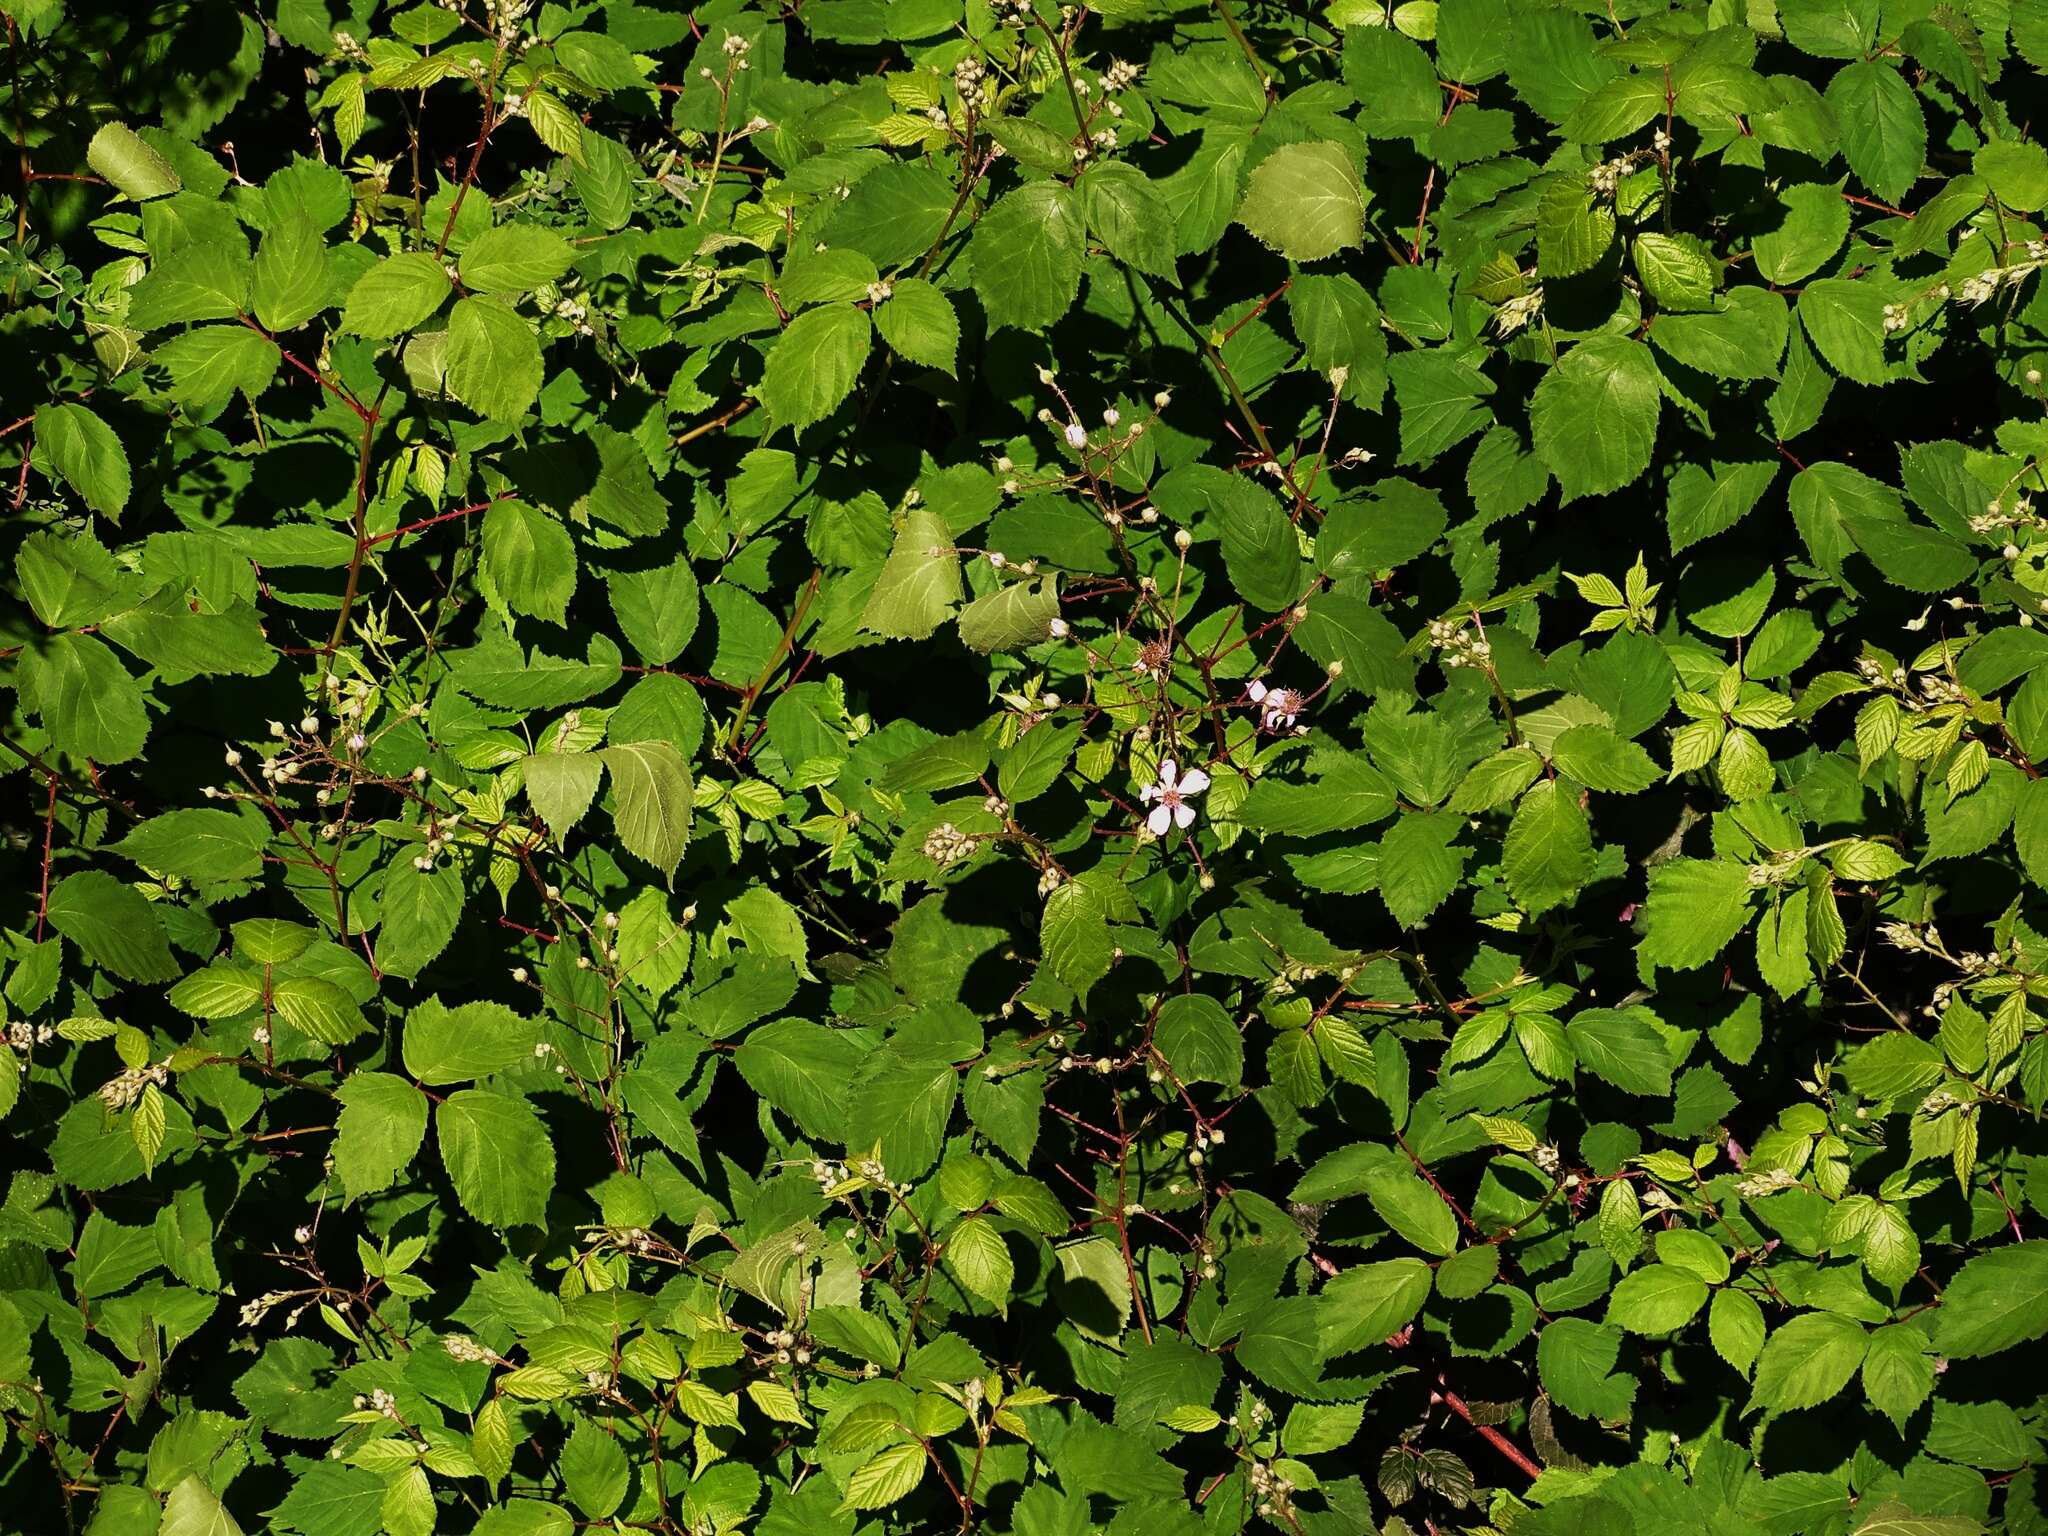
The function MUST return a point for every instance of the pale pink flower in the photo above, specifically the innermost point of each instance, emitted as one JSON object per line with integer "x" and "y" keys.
{"x": 1277, "y": 706}
{"x": 1171, "y": 794}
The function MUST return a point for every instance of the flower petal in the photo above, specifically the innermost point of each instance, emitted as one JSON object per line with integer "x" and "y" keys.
{"x": 1195, "y": 782}
{"x": 1183, "y": 816}
{"x": 1168, "y": 772}
{"x": 1159, "y": 820}
{"x": 1257, "y": 690}
{"x": 1149, "y": 793}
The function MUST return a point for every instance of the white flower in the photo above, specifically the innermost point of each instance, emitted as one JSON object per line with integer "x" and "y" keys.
{"x": 1172, "y": 792}
{"x": 1077, "y": 435}
{"x": 1277, "y": 706}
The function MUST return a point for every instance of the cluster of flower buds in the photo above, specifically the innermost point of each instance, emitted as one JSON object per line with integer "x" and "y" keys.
{"x": 120, "y": 1092}
{"x": 1120, "y": 76}
{"x": 1518, "y": 312}
{"x": 1461, "y": 647}
{"x": 1011, "y": 13}
{"x": 467, "y": 1351}
{"x": 26, "y": 1037}
{"x": 254, "y": 1311}
{"x": 1757, "y": 1185}
{"x": 946, "y": 844}
{"x": 1606, "y": 176}
{"x": 1274, "y": 1492}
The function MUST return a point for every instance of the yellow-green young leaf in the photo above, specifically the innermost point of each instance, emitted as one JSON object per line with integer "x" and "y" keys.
{"x": 886, "y": 1478}
{"x": 1191, "y": 1420}
{"x": 10, "y": 1082}
{"x": 490, "y": 1444}
{"x": 652, "y": 795}
{"x": 120, "y": 154}
{"x": 409, "y": 1504}
{"x": 555, "y": 125}
{"x": 1012, "y": 617}
{"x": 396, "y": 295}
{"x": 777, "y": 1401}
{"x": 1621, "y": 1220}
{"x": 980, "y": 1260}
{"x": 194, "y": 1509}
{"x": 146, "y": 1125}
{"x": 318, "y": 1009}
{"x": 1512, "y": 1134}
{"x": 1305, "y": 201}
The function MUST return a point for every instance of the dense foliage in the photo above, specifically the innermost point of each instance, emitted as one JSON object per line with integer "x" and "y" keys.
{"x": 917, "y": 765}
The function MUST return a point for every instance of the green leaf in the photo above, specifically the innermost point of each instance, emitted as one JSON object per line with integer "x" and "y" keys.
{"x": 886, "y": 1477}
{"x": 978, "y": 1256}
{"x": 1898, "y": 1372}
{"x": 89, "y": 704}
{"x": 802, "y": 1069}
{"x": 815, "y": 363}
{"x": 120, "y": 154}
{"x": 1884, "y": 129}
{"x": 920, "y": 583}
{"x": 918, "y": 323}
{"x": 293, "y": 278}
{"x": 1735, "y": 1324}
{"x": 1128, "y": 214}
{"x": 113, "y": 924}
{"x": 1305, "y": 201}
{"x": 1576, "y": 1361}
{"x": 513, "y": 258}
{"x": 1014, "y": 616}
{"x": 1623, "y": 1046}
{"x": 209, "y": 365}
{"x": 530, "y": 558}
{"x": 493, "y": 359}
{"x": 1198, "y": 1040}
{"x": 83, "y": 450}
{"x": 1595, "y": 416}
{"x": 194, "y": 1509}
{"x": 499, "y": 1156}
{"x": 561, "y": 787}
{"x": 1548, "y": 854}
{"x": 382, "y": 1123}
{"x": 653, "y": 794}
{"x": 1074, "y": 936}
{"x": 1026, "y": 254}
{"x": 1695, "y": 907}
{"x": 1997, "y": 1300}
{"x": 1813, "y": 225}
{"x": 198, "y": 845}
{"x": 395, "y": 296}
{"x": 1419, "y": 865}
{"x": 1368, "y": 1303}
{"x": 1677, "y": 271}
{"x": 1658, "y": 1298}
{"x": 595, "y": 1472}
{"x": 1406, "y": 1203}
{"x": 453, "y": 1045}
{"x": 318, "y": 1009}
{"x": 1807, "y": 1361}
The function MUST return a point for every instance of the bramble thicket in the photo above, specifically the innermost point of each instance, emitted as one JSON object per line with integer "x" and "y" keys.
{"x": 864, "y": 767}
